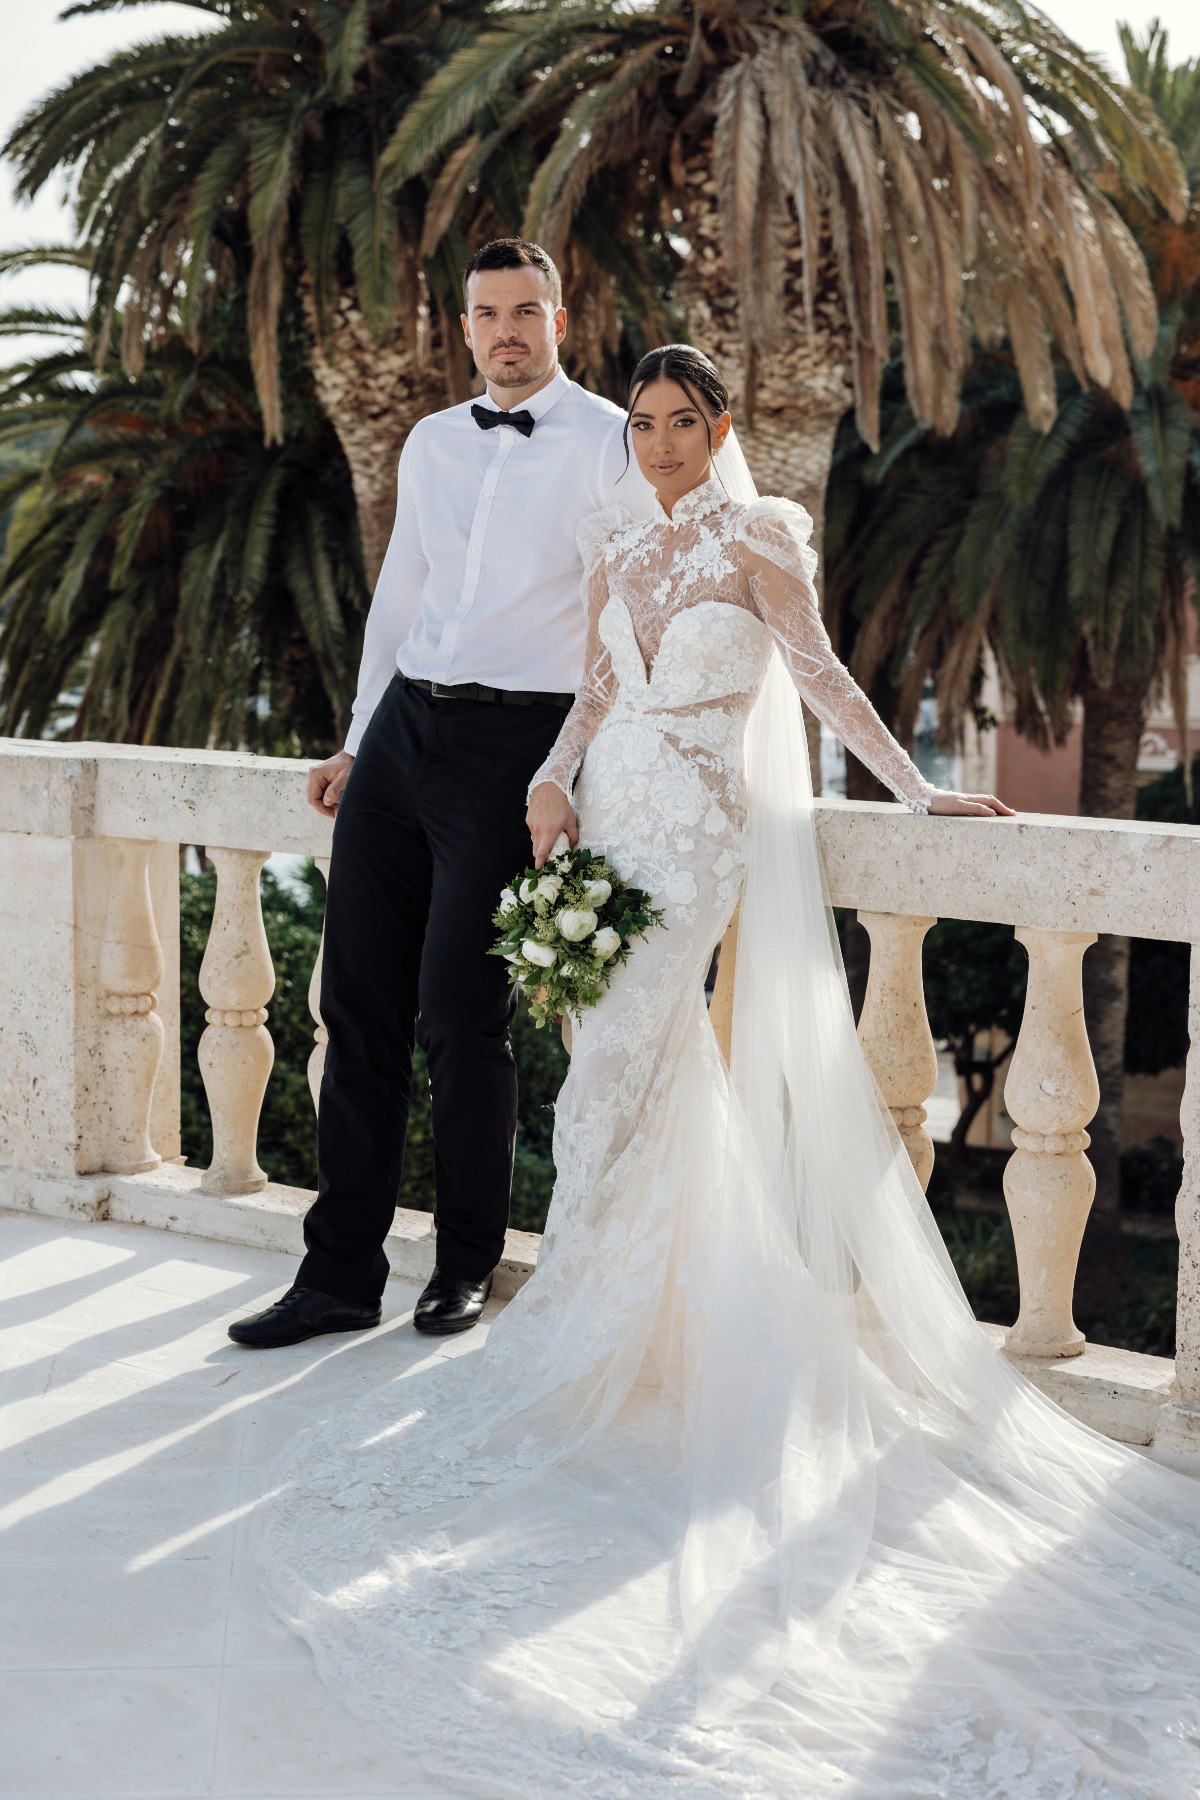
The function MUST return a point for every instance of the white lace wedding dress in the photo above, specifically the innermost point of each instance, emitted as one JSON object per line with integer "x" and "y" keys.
{"x": 735, "y": 1500}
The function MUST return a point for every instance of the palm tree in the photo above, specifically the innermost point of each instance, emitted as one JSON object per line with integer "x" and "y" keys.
{"x": 169, "y": 577}
{"x": 1073, "y": 552}
{"x": 1173, "y": 89}
{"x": 245, "y": 157}
{"x": 817, "y": 165}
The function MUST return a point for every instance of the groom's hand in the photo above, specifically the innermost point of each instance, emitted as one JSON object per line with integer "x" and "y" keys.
{"x": 326, "y": 780}
{"x": 550, "y": 814}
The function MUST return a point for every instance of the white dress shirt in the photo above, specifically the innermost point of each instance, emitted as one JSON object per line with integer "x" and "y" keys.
{"x": 482, "y": 577}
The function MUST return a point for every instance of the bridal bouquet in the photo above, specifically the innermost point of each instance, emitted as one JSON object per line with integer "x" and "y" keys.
{"x": 566, "y": 927}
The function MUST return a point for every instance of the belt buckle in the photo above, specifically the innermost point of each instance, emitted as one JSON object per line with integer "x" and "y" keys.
{"x": 439, "y": 691}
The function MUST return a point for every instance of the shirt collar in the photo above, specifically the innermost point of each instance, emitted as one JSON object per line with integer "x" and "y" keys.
{"x": 709, "y": 497}
{"x": 539, "y": 404}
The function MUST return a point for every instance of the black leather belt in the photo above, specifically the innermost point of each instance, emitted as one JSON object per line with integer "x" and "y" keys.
{"x": 475, "y": 690}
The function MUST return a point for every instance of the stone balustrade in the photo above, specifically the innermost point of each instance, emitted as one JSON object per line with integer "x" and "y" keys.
{"x": 89, "y": 1018}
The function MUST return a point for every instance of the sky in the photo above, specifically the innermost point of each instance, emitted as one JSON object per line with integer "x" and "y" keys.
{"x": 41, "y": 51}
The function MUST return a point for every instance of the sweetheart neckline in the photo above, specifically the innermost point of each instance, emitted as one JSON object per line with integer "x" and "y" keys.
{"x": 684, "y": 612}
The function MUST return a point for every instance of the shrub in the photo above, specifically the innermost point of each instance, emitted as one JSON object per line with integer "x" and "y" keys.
{"x": 982, "y": 1251}
{"x": 1150, "y": 1176}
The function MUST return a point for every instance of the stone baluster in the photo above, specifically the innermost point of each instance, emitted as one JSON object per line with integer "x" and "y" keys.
{"x": 1050, "y": 1092}
{"x": 1187, "y": 1214}
{"x": 130, "y": 969}
{"x": 894, "y": 1029}
{"x": 316, "y": 1060}
{"x": 236, "y": 1052}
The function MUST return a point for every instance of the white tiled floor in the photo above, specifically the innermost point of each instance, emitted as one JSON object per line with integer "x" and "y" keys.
{"x": 136, "y": 1655}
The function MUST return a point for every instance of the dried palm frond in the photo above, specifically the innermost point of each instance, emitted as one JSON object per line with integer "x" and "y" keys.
{"x": 921, "y": 143}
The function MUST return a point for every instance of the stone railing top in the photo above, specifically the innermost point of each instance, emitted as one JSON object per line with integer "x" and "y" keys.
{"x": 1039, "y": 869}
{"x": 1062, "y": 874}
{"x": 221, "y": 798}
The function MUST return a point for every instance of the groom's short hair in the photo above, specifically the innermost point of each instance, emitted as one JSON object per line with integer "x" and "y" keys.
{"x": 514, "y": 253}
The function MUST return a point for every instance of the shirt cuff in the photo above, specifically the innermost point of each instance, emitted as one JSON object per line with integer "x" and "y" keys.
{"x": 354, "y": 736}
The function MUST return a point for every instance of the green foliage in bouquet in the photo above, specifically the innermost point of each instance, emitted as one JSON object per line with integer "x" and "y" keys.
{"x": 566, "y": 927}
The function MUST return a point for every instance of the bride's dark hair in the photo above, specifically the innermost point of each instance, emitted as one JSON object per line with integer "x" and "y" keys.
{"x": 694, "y": 372}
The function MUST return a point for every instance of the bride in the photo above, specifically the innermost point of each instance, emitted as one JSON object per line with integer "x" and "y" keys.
{"x": 736, "y": 1500}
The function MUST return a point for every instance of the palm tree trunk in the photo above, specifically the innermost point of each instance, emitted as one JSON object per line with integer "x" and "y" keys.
{"x": 803, "y": 389}
{"x": 1113, "y": 721}
{"x": 373, "y": 394}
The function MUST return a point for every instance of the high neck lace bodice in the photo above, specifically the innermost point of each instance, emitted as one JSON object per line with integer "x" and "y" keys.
{"x": 717, "y": 551}
{"x": 697, "y": 503}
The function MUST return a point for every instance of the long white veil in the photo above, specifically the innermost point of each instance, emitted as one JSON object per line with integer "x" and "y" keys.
{"x": 842, "y": 1314}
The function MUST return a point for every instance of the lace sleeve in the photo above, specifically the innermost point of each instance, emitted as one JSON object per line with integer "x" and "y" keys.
{"x": 780, "y": 567}
{"x": 597, "y": 690}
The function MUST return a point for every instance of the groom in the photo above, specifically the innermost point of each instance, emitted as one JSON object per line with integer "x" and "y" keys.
{"x": 473, "y": 648}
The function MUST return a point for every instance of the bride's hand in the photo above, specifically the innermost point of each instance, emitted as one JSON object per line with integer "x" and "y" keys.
{"x": 965, "y": 805}
{"x": 550, "y": 814}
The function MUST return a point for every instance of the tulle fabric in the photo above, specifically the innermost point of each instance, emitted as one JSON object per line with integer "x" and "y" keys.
{"x": 736, "y": 1501}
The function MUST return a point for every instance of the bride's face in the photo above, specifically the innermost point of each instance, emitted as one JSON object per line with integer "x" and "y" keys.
{"x": 674, "y": 438}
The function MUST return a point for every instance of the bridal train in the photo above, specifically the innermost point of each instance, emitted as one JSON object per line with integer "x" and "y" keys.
{"x": 735, "y": 1501}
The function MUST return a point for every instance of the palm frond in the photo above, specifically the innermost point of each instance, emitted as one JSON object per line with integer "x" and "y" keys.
{"x": 481, "y": 74}
{"x": 344, "y": 32}
{"x": 1162, "y": 435}
{"x": 320, "y": 227}
{"x": 583, "y": 144}
{"x": 371, "y": 228}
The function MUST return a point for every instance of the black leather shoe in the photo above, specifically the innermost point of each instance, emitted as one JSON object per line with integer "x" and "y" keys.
{"x": 450, "y": 1304}
{"x": 303, "y": 1313}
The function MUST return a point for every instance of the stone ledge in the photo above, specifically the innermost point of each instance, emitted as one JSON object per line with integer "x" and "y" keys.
{"x": 55, "y": 1196}
{"x": 1121, "y": 1393}
{"x": 169, "y": 1199}
{"x": 1131, "y": 877}
{"x": 1177, "y": 1438}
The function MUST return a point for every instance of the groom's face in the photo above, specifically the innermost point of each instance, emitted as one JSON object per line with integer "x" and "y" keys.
{"x": 513, "y": 328}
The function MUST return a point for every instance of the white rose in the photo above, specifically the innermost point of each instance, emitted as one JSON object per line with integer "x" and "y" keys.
{"x": 541, "y": 954}
{"x": 528, "y": 889}
{"x": 597, "y": 892}
{"x": 508, "y": 900}
{"x": 606, "y": 943}
{"x": 512, "y": 956}
{"x": 576, "y": 923}
{"x": 549, "y": 887}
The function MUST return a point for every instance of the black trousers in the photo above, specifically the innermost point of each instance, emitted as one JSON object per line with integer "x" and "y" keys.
{"x": 430, "y": 828}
